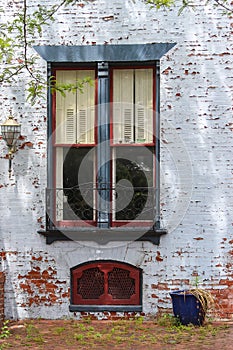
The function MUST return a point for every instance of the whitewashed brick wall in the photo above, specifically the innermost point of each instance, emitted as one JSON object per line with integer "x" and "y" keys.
{"x": 196, "y": 163}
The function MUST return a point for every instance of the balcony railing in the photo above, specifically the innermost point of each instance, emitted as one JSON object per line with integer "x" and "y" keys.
{"x": 114, "y": 204}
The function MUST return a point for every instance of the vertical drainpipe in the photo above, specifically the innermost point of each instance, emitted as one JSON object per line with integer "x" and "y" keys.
{"x": 103, "y": 148}
{"x": 157, "y": 147}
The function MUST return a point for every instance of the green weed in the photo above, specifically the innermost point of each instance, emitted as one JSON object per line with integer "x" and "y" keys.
{"x": 59, "y": 330}
{"x": 86, "y": 320}
{"x": 139, "y": 320}
{"x": 78, "y": 336}
{"x": 97, "y": 335}
{"x": 168, "y": 321}
{"x": 80, "y": 326}
{"x": 33, "y": 334}
{"x": 5, "y": 332}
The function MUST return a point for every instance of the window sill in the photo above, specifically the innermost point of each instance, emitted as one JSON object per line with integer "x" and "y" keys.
{"x": 104, "y": 236}
{"x": 100, "y": 308}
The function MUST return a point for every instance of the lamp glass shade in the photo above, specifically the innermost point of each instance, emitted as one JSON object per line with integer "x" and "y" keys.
{"x": 10, "y": 131}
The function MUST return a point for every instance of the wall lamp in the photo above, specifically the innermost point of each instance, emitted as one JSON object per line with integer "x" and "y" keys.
{"x": 10, "y": 131}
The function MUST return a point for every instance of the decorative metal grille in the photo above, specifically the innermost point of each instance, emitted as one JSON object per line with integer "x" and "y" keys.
{"x": 71, "y": 204}
{"x": 91, "y": 284}
{"x": 120, "y": 285}
{"x": 105, "y": 283}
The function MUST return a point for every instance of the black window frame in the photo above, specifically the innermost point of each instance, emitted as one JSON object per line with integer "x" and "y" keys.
{"x": 103, "y": 56}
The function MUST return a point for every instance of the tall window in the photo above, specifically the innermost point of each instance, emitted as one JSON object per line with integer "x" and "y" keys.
{"x": 104, "y": 169}
{"x": 103, "y": 179}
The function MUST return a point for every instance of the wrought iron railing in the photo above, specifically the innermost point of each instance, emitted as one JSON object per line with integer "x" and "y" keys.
{"x": 86, "y": 203}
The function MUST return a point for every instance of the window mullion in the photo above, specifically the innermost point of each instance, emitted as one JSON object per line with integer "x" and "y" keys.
{"x": 103, "y": 149}
{"x": 134, "y": 106}
{"x": 76, "y": 114}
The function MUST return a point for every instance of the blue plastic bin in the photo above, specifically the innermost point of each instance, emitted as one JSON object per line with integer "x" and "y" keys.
{"x": 187, "y": 308}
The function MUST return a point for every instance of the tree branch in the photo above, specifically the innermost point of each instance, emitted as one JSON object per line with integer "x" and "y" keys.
{"x": 12, "y": 74}
{"x": 51, "y": 13}
{"x": 26, "y": 42}
{"x": 220, "y": 4}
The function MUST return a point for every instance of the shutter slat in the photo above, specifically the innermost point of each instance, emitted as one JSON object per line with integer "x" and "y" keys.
{"x": 82, "y": 135}
{"x": 144, "y": 105}
{"x": 128, "y": 125}
{"x": 70, "y": 125}
{"x": 140, "y": 125}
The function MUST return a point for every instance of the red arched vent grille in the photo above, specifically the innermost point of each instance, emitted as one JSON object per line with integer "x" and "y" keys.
{"x": 105, "y": 283}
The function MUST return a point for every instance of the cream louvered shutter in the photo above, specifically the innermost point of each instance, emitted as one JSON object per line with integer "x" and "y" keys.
{"x": 143, "y": 105}
{"x": 123, "y": 106}
{"x": 66, "y": 110}
{"x": 86, "y": 109}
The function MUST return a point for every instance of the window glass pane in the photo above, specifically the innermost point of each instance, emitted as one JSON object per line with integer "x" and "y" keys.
{"x": 133, "y": 183}
{"x": 133, "y": 105}
{"x": 78, "y": 183}
{"x": 75, "y": 112}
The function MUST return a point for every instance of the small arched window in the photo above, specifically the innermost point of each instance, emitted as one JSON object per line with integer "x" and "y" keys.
{"x": 106, "y": 285}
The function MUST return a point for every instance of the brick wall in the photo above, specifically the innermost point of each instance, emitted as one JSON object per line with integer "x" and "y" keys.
{"x": 196, "y": 163}
{"x": 2, "y": 282}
